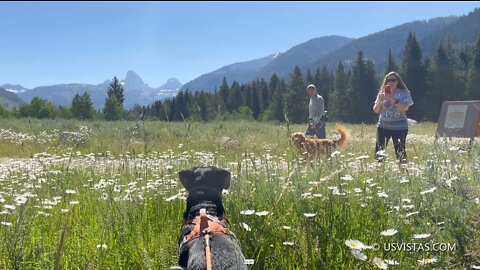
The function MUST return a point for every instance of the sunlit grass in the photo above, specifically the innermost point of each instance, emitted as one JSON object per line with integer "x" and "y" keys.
{"x": 115, "y": 200}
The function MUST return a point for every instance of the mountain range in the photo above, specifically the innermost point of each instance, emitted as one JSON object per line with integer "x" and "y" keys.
{"x": 279, "y": 63}
{"x": 136, "y": 91}
{"x": 330, "y": 50}
{"x": 318, "y": 52}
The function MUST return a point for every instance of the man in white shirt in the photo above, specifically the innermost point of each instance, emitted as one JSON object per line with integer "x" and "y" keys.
{"x": 316, "y": 109}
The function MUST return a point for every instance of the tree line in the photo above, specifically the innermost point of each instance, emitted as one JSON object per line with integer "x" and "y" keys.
{"x": 450, "y": 74}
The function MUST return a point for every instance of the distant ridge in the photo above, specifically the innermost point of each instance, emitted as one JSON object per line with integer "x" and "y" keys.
{"x": 241, "y": 72}
{"x": 9, "y": 99}
{"x": 136, "y": 92}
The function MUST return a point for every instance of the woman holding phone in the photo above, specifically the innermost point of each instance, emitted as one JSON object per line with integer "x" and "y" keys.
{"x": 393, "y": 100}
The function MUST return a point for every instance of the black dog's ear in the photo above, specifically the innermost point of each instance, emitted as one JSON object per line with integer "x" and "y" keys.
{"x": 205, "y": 176}
{"x": 186, "y": 178}
{"x": 225, "y": 175}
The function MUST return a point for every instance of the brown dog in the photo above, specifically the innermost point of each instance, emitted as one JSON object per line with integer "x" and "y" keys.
{"x": 316, "y": 147}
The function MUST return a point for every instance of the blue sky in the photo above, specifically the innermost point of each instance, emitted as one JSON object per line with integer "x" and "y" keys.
{"x": 46, "y": 43}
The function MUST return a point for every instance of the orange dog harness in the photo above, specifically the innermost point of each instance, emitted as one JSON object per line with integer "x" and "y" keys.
{"x": 205, "y": 226}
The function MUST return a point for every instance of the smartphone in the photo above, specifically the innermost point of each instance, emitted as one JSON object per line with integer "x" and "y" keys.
{"x": 388, "y": 89}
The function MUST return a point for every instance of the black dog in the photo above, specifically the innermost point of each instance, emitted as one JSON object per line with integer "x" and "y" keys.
{"x": 205, "y": 185}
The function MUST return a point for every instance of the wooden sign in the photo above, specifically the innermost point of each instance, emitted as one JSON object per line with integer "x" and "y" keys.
{"x": 459, "y": 119}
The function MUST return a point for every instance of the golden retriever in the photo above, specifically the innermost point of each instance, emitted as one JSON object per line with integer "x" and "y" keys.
{"x": 310, "y": 147}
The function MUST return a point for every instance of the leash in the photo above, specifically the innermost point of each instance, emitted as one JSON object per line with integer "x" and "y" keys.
{"x": 206, "y": 231}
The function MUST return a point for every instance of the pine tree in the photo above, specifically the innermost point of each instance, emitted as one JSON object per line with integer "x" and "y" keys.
{"x": 335, "y": 107}
{"x": 473, "y": 84}
{"x": 202, "y": 106}
{"x": 113, "y": 110}
{"x": 435, "y": 83}
{"x": 234, "y": 100}
{"x": 3, "y": 112}
{"x": 116, "y": 88}
{"x": 179, "y": 103}
{"x": 361, "y": 92}
{"x": 255, "y": 106}
{"x": 264, "y": 96}
{"x": 82, "y": 107}
{"x": 247, "y": 95}
{"x": 172, "y": 111}
{"x": 414, "y": 75}
{"x": 296, "y": 98}
{"x": 157, "y": 110}
{"x": 309, "y": 78}
{"x": 324, "y": 84}
{"x": 391, "y": 65}
{"x": 76, "y": 107}
{"x": 224, "y": 92}
{"x": 276, "y": 110}
{"x": 87, "y": 109}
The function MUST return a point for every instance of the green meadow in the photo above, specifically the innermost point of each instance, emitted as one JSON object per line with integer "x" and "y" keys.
{"x": 106, "y": 195}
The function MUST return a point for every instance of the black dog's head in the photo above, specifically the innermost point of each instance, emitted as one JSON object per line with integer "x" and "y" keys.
{"x": 204, "y": 185}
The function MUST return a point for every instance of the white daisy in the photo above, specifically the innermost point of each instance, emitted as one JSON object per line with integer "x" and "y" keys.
{"x": 412, "y": 213}
{"x": 421, "y": 236}
{"x": 358, "y": 254}
{"x": 389, "y": 232}
{"x": 8, "y": 206}
{"x": 246, "y": 227}
{"x": 171, "y": 198}
{"x": 355, "y": 244}
{"x": 263, "y": 213}
{"x": 104, "y": 246}
{"x": 382, "y": 194}
{"x": 391, "y": 262}
{"x": 404, "y": 180}
{"x": 380, "y": 263}
{"x": 247, "y": 212}
{"x": 335, "y": 153}
{"x": 427, "y": 261}
{"x": 428, "y": 191}
{"x": 309, "y": 215}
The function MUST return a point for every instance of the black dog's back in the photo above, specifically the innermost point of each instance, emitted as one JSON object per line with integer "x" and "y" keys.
{"x": 205, "y": 185}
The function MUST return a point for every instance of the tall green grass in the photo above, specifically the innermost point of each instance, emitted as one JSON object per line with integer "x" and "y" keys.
{"x": 115, "y": 201}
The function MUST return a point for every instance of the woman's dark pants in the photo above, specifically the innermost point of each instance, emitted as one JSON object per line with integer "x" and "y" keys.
{"x": 399, "y": 138}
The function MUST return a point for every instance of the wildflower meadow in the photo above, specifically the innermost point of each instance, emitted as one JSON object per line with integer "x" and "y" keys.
{"x": 108, "y": 197}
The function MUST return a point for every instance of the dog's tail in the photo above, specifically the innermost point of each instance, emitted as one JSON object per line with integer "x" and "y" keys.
{"x": 344, "y": 134}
